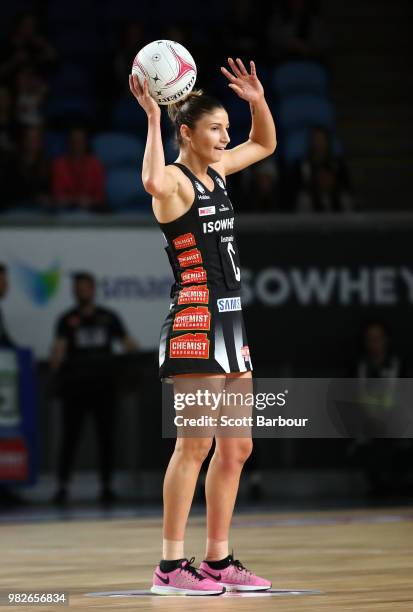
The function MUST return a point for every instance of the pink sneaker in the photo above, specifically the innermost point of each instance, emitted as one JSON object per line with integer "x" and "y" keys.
{"x": 235, "y": 577}
{"x": 185, "y": 580}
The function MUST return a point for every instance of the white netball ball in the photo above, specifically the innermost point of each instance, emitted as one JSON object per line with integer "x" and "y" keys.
{"x": 169, "y": 69}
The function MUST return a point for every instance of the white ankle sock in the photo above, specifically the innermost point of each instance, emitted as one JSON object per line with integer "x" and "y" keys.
{"x": 172, "y": 549}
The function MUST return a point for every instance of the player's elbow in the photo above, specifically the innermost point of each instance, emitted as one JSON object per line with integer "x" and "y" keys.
{"x": 266, "y": 152}
{"x": 152, "y": 187}
{"x": 268, "y": 149}
{"x": 161, "y": 186}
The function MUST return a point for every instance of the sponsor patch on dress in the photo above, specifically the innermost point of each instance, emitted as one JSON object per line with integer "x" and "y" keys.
{"x": 194, "y": 317}
{"x": 229, "y": 304}
{"x": 198, "y": 294}
{"x": 189, "y": 346}
{"x": 184, "y": 241}
{"x": 204, "y": 211}
{"x": 189, "y": 258}
{"x": 194, "y": 275}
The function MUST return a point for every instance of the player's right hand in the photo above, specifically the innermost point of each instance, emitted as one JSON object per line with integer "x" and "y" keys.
{"x": 149, "y": 105}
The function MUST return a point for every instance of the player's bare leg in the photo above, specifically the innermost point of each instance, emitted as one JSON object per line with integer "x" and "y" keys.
{"x": 186, "y": 461}
{"x": 221, "y": 488}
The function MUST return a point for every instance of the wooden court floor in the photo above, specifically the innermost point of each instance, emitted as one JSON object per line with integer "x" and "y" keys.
{"x": 358, "y": 560}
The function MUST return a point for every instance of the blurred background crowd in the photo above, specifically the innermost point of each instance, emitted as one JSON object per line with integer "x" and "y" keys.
{"x": 72, "y": 137}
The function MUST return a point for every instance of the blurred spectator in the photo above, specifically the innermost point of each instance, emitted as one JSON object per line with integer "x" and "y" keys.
{"x": 81, "y": 354}
{"x": 257, "y": 188}
{"x": 379, "y": 359}
{"x": 296, "y": 31}
{"x": 178, "y": 33}
{"x": 242, "y": 34}
{"x": 26, "y": 45}
{"x": 29, "y": 174}
{"x": 30, "y": 92}
{"x": 265, "y": 186}
{"x": 78, "y": 177}
{"x": 7, "y": 145}
{"x": 7, "y": 123}
{"x": 111, "y": 77}
{"x": 386, "y": 461}
{"x": 131, "y": 40}
{"x": 321, "y": 181}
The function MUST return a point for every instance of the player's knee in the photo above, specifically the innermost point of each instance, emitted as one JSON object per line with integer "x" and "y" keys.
{"x": 193, "y": 449}
{"x": 244, "y": 449}
{"x": 233, "y": 456}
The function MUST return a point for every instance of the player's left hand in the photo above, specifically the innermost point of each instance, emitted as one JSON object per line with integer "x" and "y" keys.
{"x": 245, "y": 84}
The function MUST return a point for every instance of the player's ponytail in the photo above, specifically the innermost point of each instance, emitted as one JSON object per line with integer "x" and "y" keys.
{"x": 174, "y": 109}
{"x": 190, "y": 109}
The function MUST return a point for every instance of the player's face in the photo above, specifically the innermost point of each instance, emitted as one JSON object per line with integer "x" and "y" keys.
{"x": 210, "y": 135}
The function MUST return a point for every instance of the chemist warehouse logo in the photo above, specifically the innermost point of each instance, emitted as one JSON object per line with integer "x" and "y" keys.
{"x": 380, "y": 285}
{"x": 40, "y": 286}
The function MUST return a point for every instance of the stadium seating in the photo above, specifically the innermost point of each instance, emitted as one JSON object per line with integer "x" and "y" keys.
{"x": 55, "y": 143}
{"x": 301, "y": 111}
{"x": 70, "y": 108}
{"x": 71, "y": 79}
{"x": 125, "y": 191}
{"x": 78, "y": 43}
{"x": 60, "y": 14}
{"x": 170, "y": 150}
{"x": 116, "y": 149}
{"x": 128, "y": 116}
{"x": 293, "y": 78}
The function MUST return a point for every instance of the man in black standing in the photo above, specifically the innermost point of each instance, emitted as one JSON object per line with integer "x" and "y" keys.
{"x": 81, "y": 356}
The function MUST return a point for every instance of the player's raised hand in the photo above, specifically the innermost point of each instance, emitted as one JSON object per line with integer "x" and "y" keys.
{"x": 245, "y": 84}
{"x": 149, "y": 105}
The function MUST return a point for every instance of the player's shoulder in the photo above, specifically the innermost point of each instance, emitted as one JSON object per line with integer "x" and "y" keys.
{"x": 173, "y": 171}
{"x": 175, "y": 176}
{"x": 180, "y": 181}
{"x": 219, "y": 169}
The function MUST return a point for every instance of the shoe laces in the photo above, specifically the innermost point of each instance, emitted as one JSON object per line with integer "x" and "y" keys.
{"x": 188, "y": 567}
{"x": 238, "y": 565}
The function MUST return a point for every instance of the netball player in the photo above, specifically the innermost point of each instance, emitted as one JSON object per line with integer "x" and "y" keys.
{"x": 203, "y": 334}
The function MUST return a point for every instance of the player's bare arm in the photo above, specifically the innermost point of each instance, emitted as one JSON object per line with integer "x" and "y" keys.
{"x": 262, "y": 139}
{"x": 156, "y": 178}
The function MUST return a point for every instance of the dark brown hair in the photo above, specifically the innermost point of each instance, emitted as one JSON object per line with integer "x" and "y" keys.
{"x": 83, "y": 275}
{"x": 190, "y": 109}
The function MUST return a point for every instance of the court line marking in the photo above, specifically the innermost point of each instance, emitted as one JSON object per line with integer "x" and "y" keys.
{"x": 147, "y": 593}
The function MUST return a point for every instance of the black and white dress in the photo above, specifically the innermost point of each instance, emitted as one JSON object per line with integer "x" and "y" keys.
{"x": 204, "y": 331}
